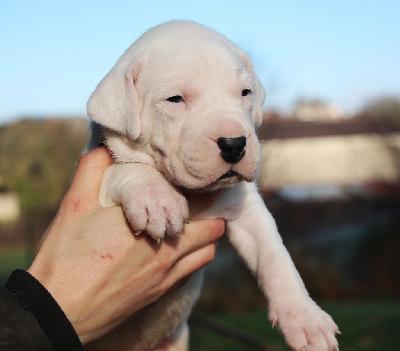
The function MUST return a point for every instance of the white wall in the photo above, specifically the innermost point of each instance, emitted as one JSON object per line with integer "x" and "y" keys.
{"x": 342, "y": 160}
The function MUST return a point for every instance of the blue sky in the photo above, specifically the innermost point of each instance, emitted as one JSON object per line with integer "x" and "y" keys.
{"x": 53, "y": 53}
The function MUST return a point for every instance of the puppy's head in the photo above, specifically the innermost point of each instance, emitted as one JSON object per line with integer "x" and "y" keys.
{"x": 187, "y": 100}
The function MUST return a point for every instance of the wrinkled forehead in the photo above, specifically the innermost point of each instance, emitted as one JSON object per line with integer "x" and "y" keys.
{"x": 196, "y": 63}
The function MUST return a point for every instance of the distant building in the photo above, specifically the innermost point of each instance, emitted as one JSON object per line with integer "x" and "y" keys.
{"x": 10, "y": 208}
{"x": 317, "y": 111}
{"x": 341, "y": 160}
{"x": 310, "y": 155}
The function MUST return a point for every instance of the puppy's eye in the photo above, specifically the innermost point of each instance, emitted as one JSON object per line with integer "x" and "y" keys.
{"x": 246, "y": 92}
{"x": 175, "y": 99}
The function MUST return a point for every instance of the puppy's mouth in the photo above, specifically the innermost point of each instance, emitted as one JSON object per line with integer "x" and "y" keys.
{"x": 227, "y": 180}
{"x": 229, "y": 174}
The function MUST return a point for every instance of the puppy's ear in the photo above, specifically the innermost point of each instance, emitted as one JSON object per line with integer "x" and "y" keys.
{"x": 259, "y": 97}
{"x": 114, "y": 103}
{"x": 258, "y": 102}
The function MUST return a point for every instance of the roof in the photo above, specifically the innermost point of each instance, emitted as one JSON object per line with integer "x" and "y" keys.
{"x": 290, "y": 128}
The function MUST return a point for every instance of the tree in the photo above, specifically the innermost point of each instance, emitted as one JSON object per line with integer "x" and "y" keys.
{"x": 385, "y": 109}
{"x": 37, "y": 159}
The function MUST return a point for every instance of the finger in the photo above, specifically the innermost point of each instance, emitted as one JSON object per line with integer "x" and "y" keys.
{"x": 190, "y": 263}
{"x": 200, "y": 233}
{"x": 89, "y": 174}
{"x": 180, "y": 283}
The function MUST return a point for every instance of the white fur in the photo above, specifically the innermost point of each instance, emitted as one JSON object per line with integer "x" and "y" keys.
{"x": 167, "y": 152}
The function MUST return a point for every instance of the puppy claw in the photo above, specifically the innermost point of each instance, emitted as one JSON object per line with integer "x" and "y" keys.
{"x": 138, "y": 232}
{"x": 274, "y": 322}
{"x": 158, "y": 241}
{"x": 186, "y": 221}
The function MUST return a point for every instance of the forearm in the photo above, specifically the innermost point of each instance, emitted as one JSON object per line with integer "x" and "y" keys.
{"x": 255, "y": 236}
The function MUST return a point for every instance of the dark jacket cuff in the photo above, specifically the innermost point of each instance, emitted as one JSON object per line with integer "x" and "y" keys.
{"x": 33, "y": 297}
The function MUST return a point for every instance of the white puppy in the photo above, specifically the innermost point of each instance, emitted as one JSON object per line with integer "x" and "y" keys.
{"x": 178, "y": 112}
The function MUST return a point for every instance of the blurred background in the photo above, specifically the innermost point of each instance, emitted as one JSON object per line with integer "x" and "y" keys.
{"x": 330, "y": 138}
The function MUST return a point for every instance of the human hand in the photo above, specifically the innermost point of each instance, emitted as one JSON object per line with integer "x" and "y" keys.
{"x": 97, "y": 270}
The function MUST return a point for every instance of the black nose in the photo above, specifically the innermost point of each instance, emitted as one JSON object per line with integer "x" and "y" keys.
{"x": 232, "y": 149}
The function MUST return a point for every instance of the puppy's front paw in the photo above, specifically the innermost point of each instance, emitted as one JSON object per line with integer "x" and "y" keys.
{"x": 306, "y": 327}
{"x": 157, "y": 208}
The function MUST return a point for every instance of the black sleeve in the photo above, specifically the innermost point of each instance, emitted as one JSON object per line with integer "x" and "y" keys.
{"x": 19, "y": 330}
{"x": 32, "y": 316}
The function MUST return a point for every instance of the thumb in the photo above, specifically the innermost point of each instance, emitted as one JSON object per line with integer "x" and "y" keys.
{"x": 89, "y": 174}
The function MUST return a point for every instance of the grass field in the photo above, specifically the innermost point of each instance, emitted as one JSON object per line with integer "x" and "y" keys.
{"x": 365, "y": 325}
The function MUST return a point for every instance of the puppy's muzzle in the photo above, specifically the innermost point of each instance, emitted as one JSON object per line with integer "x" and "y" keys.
{"x": 232, "y": 149}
